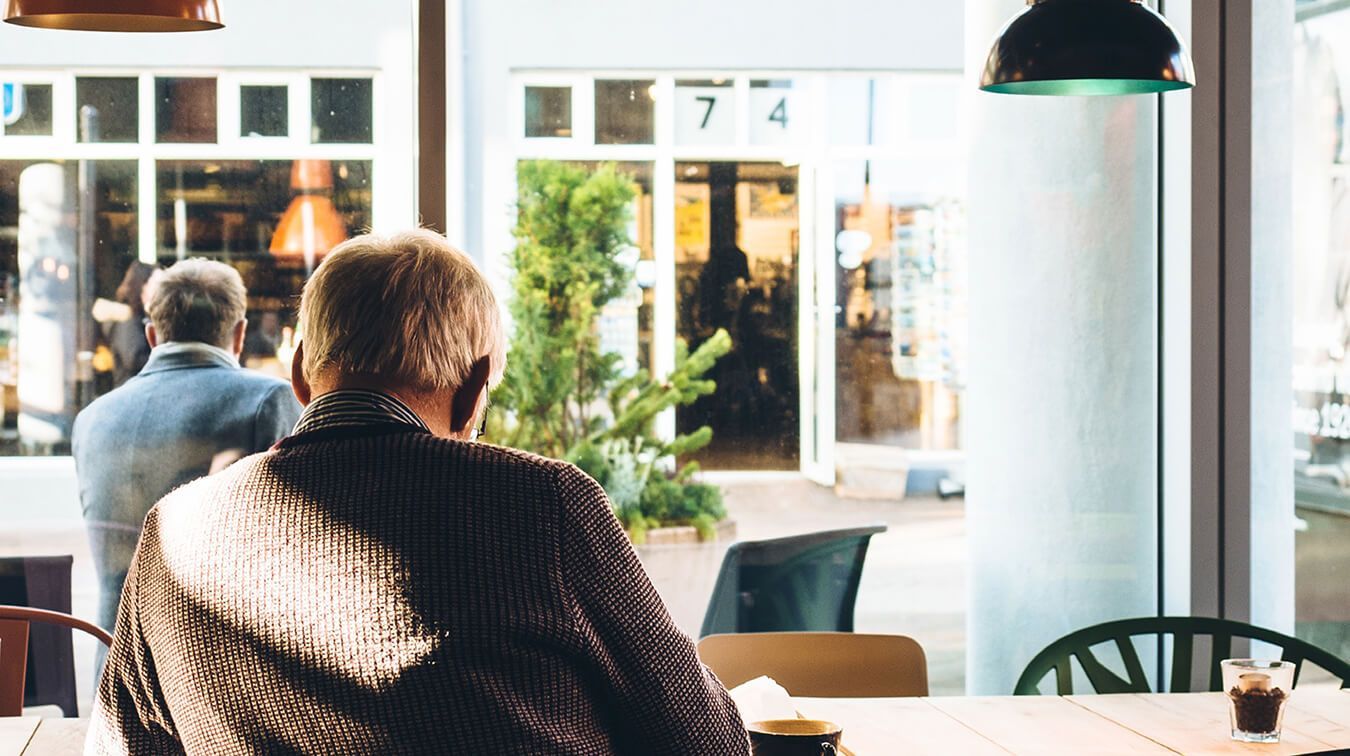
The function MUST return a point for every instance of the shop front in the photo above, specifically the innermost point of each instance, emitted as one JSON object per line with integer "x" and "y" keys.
{"x": 817, "y": 218}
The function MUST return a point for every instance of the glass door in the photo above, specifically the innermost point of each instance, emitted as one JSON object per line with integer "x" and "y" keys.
{"x": 737, "y": 267}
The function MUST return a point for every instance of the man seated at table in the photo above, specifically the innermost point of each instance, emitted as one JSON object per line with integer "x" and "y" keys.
{"x": 382, "y": 583}
{"x": 191, "y": 407}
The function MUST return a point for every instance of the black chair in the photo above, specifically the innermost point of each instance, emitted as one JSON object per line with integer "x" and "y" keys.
{"x": 799, "y": 583}
{"x": 44, "y": 583}
{"x": 1058, "y": 656}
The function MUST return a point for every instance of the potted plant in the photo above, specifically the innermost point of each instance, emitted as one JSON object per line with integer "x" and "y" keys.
{"x": 565, "y": 397}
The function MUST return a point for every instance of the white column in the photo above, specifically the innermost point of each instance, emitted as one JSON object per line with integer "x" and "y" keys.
{"x": 1061, "y": 421}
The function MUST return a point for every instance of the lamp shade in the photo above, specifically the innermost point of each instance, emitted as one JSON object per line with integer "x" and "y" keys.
{"x": 116, "y": 15}
{"x": 311, "y": 175}
{"x": 309, "y": 228}
{"x": 1087, "y": 47}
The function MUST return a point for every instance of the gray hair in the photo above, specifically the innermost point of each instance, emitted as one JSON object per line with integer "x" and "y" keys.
{"x": 407, "y": 307}
{"x": 197, "y": 300}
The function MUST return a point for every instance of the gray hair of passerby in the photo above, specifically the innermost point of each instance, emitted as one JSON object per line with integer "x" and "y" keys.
{"x": 198, "y": 300}
{"x": 408, "y": 307}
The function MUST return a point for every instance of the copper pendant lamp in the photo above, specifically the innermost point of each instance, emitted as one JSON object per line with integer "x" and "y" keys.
{"x": 1087, "y": 47}
{"x": 116, "y": 15}
{"x": 311, "y": 224}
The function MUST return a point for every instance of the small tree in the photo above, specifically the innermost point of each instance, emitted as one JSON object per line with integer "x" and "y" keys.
{"x": 564, "y": 396}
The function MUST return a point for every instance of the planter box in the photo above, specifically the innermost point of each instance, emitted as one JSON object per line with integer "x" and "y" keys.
{"x": 870, "y": 471}
{"x": 685, "y": 534}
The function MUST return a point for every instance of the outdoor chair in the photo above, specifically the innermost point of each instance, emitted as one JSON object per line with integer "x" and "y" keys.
{"x": 821, "y": 665}
{"x": 1058, "y": 656}
{"x": 14, "y": 627}
{"x": 799, "y": 583}
{"x": 43, "y": 582}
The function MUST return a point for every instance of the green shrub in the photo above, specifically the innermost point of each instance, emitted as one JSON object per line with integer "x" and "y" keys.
{"x": 566, "y": 398}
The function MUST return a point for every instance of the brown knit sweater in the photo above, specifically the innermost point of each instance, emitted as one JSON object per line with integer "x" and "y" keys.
{"x": 380, "y": 590}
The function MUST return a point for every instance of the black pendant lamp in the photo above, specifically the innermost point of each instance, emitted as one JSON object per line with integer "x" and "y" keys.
{"x": 1087, "y": 47}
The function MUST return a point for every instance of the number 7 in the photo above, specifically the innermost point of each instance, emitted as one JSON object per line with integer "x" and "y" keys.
{"x": 707, "y": 113}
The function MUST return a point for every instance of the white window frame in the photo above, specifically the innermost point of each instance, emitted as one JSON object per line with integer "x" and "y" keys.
{"x": 815, "y": 158}
{"x": 391, "y": 204}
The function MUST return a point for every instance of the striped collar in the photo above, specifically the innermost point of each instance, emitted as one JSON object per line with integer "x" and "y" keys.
{"x": 356, "y": 407}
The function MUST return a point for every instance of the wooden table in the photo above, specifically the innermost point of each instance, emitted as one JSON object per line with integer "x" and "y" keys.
{"x": 21, "y": 736}
{"x": 1316, "y": 720}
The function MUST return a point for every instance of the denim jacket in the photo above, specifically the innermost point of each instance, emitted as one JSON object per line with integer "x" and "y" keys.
{"x": 163, "y": 428}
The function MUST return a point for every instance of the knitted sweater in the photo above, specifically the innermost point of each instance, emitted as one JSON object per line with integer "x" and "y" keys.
{"x": 381, "y": 590}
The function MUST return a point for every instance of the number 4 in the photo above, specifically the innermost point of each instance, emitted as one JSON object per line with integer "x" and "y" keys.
{"x": 779, "y": 114}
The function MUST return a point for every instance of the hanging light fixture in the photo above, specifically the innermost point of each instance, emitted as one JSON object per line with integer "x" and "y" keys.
{"x": 116, "y": 15}
{"x": 1087, "y": 47}
{"x": 311, "y": 224}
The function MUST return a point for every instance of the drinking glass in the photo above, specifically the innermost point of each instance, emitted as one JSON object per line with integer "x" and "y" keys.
{"x": 1257, "y": 691}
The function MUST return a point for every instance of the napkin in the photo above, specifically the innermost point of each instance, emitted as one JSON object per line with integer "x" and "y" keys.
{"x": 762, "y": 698}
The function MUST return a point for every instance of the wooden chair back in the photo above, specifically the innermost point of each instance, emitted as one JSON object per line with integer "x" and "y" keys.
{"x": 14, "y": 622}
{"x": 821, "y": 665}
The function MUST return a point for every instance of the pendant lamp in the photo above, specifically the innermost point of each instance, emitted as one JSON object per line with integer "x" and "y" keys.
{"x": 116, "y": 15}
{"x": 311, "y": 224}
{"x": 1087, "y": 47}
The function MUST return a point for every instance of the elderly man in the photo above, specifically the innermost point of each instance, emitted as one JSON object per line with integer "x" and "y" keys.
{"x": 380, "y": 582}
{"x": 190, "y": 407}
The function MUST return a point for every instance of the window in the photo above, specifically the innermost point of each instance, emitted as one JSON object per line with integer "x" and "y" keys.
{"x": 342, "y": 110}
{"x": 264, "y": 111}
{"x": 107, "y": 109}
{"x": 220, "y": 207}
{"x": 1321, "y": 330}
{"x": 624, "y": 111}
{"x": 832, "y": 251}
{"x": 28, "y": 109}
{"x": 185, "y": 109}
{"x": 548, "y": 111}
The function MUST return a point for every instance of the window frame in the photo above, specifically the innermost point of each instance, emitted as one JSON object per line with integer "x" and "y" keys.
{"x": 812, "y": 153}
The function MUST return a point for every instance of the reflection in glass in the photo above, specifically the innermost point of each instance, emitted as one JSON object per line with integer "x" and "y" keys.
{"x": 60, "y": 271}
{"x": 342, "y": 111}
{"x": 548, "y": 111}
{"x": 1321, "y": 337}
{"x": 624, "y": 111}
{"x": 900, "y": 299}
{"x": 113, "y": 103}
{"x": 736, "y": 244}
{"x": 29, "y": 110}
{"x": 231, "y": 211}
{"x": 264, "y": 111}
{"x": 185, "y": 110}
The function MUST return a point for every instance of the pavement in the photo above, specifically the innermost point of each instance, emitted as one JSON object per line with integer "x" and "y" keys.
{"x": 914, "y": 581}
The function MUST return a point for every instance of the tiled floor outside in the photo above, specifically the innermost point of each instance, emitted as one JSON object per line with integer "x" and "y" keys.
{"x": 914, "y": 582}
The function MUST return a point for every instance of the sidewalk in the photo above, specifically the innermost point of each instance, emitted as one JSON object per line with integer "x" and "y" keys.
{"x": 914, "y": 581}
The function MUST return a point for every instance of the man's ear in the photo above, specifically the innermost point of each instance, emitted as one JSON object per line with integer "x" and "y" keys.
{"x": 151, "y": 337}
{"x": 237, "y": 341}
{"x": 298, "y": 383}
{"x": 465, "y": 402}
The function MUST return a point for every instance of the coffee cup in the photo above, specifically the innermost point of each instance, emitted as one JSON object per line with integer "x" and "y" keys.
{"x": 794, "y": 737}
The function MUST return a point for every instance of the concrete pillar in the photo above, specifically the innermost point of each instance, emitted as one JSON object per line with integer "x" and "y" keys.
{"x": 1062, "y": 404}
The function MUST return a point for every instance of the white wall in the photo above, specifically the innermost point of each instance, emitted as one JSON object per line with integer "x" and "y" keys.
{"x": 1061, "y": 407}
